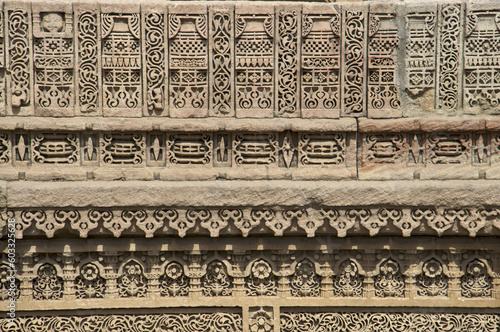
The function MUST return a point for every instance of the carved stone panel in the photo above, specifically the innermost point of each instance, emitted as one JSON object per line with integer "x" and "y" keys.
{"x": 254, "y": 61}
{"x": 53, "y": 48}
{"x": 121, "y": 61}
{"x": 188, "y": 60}
{"x": 320, "y": 61}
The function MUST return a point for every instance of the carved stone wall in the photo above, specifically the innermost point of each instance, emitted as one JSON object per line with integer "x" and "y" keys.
{"x": 254, "y": 167}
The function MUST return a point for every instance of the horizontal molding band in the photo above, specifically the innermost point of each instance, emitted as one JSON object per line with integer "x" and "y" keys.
{"x": 449, "y": 194}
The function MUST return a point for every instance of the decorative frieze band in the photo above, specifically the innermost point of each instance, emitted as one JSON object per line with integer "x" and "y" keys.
{"x": 200, "y": 322}
{"x": 361, "y": 274}
{"x": 258, "y": 221}
{"x": 297, "y": 60}
{"x": 412, "y": 153}
{"x": 287, "y": 149}
{"x": 390, "y": 322}
{"x": 261, "y": 320}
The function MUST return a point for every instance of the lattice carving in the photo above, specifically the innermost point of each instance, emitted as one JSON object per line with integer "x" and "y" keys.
{"x": 481, "y": 65}
{"x": 53, "y": 53}
{"x": 55, "y": 148}
{"x": 254, "y": 56}
{"x": 121, "y": 61}
{"x": 320, "y": 85}
{"x": 188, "y": 65}
{"x": 420, "y": 51}
{"x": 383, "y": 45}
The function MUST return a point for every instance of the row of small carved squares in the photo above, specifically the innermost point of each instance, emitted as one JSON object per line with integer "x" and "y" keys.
{"x": 216, "y": 274}
{"x": 262, "y": 320}
{"x": 256, "y": 221}
{"x": 220, "y": 61}
{"x": 286, "y": 149}
{"x": 431, "y": 148}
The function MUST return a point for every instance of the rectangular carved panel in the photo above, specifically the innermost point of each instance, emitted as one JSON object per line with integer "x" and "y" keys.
{"x": 121, "y": 61}
{"x": 19, "y": 60}
{"x": 288, "y": 37}
{"x": 354, "y": 55}
{"x": 420, "y": 56}
{"x": 481, "y": 76}
{"x": 188, "y": 60}
{"x": 53, "y": 60}
{"x": 254, "y": 61}
{"x": 88, "y": 46}
{"x": 449, "y": 84}
{"x": 383, "y": 69}
{"x": 221, "y": 23}
{"x": 155, "y": 55}
{"x": 320, "y": 61}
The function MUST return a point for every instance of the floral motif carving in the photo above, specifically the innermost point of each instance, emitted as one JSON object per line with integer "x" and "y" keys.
{"x": 476, "y": 282}
{"x": 390, "y": 281}
{"x": 287, "y": 49}
{"x": 450, "y": 57}
{"x": 89, "y": 284}
{"x": 432, "y": 281}
{"x": 261, "y": 281}
{"x": 348, "y": 282}
{"x": 305, "y": 281}
{"x": 132, "y": 283}
{"x": 174, "y": 282}
{"x": 18, "y": 28}
{"x": 261, "y": 321}
{"x": 222, "y": 53}
{"x": 216, "y": 281}
{"x": 200, "y": 322}
{"x": 47, "y": 285}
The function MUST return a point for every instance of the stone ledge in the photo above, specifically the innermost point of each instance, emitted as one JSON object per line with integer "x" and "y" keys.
{"x": 169, "y": 302}
{"x": 256, "y": 193}
{"x": 184, "y": 125}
